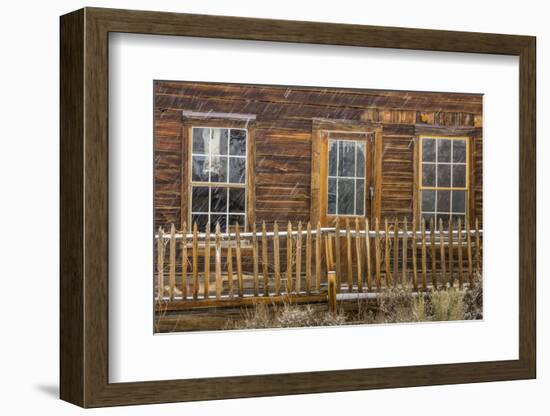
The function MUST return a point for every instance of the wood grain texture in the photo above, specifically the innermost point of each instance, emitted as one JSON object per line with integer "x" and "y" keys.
{"x": 84, "y": 207}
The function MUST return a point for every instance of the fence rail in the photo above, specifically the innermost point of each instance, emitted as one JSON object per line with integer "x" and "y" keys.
{"x": 199, "y": 266}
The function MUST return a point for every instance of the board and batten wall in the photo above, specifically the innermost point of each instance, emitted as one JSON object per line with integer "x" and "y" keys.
{"x": 283, "y": 132}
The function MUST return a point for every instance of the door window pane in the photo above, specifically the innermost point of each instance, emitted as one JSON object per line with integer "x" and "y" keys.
{"x": 201, "y": 141}
{"x": 199, "y": 199}
{"x": 346, "y": 159}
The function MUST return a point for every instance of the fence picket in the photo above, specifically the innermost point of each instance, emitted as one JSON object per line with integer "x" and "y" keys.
{"x": 265, "y": 260}
{"x": 230, "y": 269}
{"x": 387, "y": 253}
{"x": 289, "y": 258}
{"x": 433, "y": 255}
{"x": 338, "y": 252}
{"x": 308, "y": 258}
{"x": 478, "y": 248}
{"x": 395, "y": 249}
{"x": 377, "y": 254}
{"x": 460, "y": 275}
{"x": 276, "y": 259}
{"x": 358, "y": 255}
{"x": 442, "y": 265}
{"x": 172, "y": 259}
{"x": 255, "y": 259}
{"x": 184, "y": 260}
{"x": 368, "y": 254}
{"x": 218, "y": 261}
{"x": 414, "y": 244}
{"x": 299, "y": 259}
{"x": 451, "y": 254}
{"x": 349, "y": 257}
{"x": 318, "y": 257}
{"x": 469, "y": 251}
{"x": 195, "y": 263}
{"x": 206, "y": 277}
{"x": 239, "y": 260}
{"x": 424, "y": 277}
{"x": 160, "y": 264}
{"x": 404, "y": 253}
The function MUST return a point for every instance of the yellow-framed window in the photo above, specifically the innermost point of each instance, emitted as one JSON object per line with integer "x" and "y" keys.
{"x": 444, "y": 178}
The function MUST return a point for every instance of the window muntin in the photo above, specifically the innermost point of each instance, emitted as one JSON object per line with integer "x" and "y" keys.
{"x": 346, "y": 177}
{"x": 218, "y": 177}
{"x": 443, "y": 178}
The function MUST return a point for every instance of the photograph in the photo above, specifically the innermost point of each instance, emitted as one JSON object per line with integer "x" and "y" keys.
{"x": 298, "y": 206}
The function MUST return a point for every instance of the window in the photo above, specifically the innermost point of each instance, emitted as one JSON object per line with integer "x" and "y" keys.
{"x": 444, "y": 178}
{"x": 346, "y": 177}
{"x": 218, "y": 176}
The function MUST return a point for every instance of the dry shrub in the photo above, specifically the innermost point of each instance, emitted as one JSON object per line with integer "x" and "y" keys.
{"x": 396, "y": 305}
{"x": 447, "y": 305}
{"x": 473, "y": 300}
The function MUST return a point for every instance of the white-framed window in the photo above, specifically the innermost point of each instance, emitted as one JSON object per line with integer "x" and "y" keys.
{"x": 444, "y": 171}
{"x": 346, "y": 177}
{"x": 218, "y": 176}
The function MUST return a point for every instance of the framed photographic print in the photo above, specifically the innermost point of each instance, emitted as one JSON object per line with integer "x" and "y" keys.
{"x": 255, "y": 207}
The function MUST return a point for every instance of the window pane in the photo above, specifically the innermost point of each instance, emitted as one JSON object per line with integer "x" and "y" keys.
{"x": 217, "y": 218}
{"x": 359, "y": 197}
{"x": 238, "y": 142}
{"x": 459, "y": 176}
{"x": 201, "y": 139}
{"x": 428, "y": 217}
{"x": 443, "y": 201}
{"x": 428, "y": 150}
{"x": 346, "y": 196}
{"x": 218, "y": 169}
{"x": 218, "y": 200}
{"x": 199, "y": 169}
{"x": 332, "y": 157}
{"x": 456, "y": 217}
{"x": 444, "y": 150}
{"x": 360, "y": 168}
{"x": 346, "y": 162}
{"x": 332, "y": 196}
{"x": 445, "y": 218}
{"x": 201, "y": 220}
{"x": 459, "y": 202}
{"x": 199, "y": 199}
{"x": 237, "y": 169}
{"x": 218, "y": 143}
{"x": 459, "y": 151}
{"x": 236, "y": 219}
{"x": 428, "y": 175}
{"x": 236, "y": 200}
{"x": 428, "y": 201}
{"x": 443, "y": 175}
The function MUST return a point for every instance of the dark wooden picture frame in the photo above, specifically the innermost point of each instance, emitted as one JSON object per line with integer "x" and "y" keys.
{"x": 84, "y": 207}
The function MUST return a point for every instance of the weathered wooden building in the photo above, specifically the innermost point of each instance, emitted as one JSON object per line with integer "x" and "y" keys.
{"x": 254, "y": 153}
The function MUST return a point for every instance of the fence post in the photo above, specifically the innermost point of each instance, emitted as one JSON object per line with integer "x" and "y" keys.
{"x": 332, "y": 292}
{"x": 184, "y": 260}
{"x": 276, "y": 259}
{"x": 160, "y": 264}
{"x": 308, "y": 258}
{"x": 404, "y": 253}
{"x": 368, "y": 254}
{"x": 172, "y": 277}
{"x": 218, "y": 262}
{"x": 239, "y": 260}
{"x": 195, "y": 263}
{"x": 265, "y": 260}
{"x": 206, "y": 277}
{"x": 255, "y": 259}
{"x": 289, "y": 258}
{"x": 358, "y": 255}
{"x": 478, "y": 248}
{"x": 432, "y": 245}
